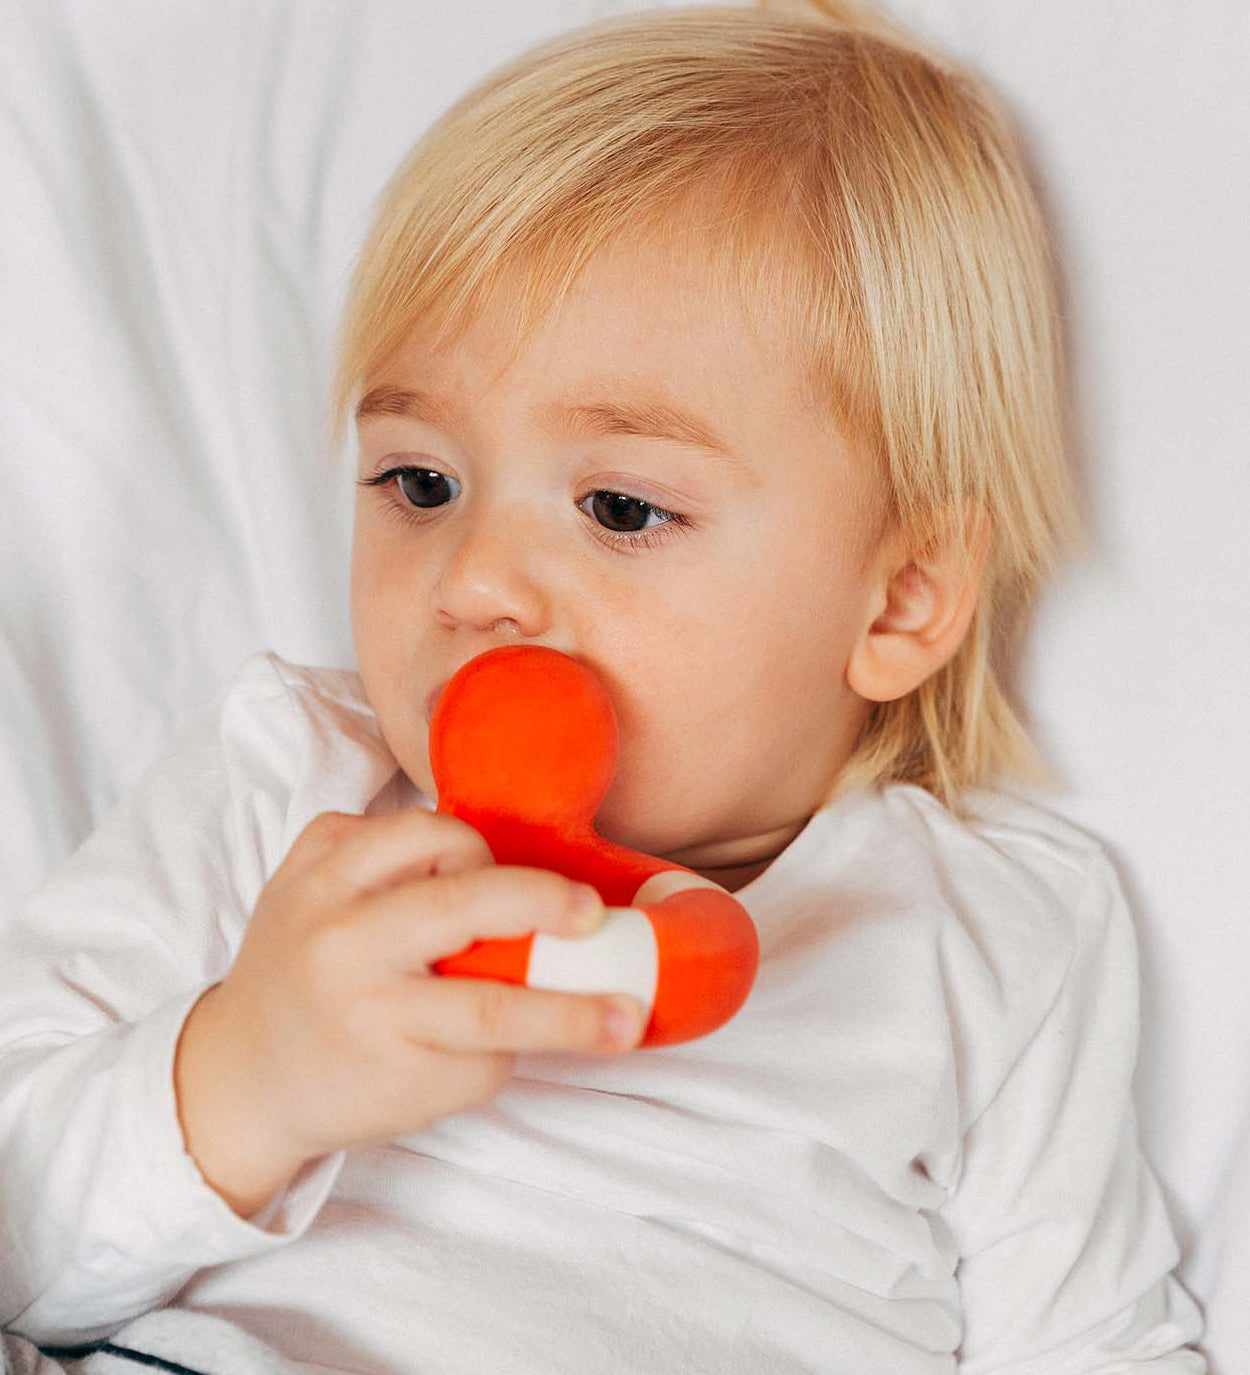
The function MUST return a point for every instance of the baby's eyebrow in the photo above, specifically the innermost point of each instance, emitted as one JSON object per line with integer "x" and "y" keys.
{"x": 647, "y": 417}
{"x": 414, "y": 405}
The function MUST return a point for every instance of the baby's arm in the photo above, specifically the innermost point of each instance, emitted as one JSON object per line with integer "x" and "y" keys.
{"x": 1066, "y": 1248}
{"x": 106, "y": 1209}
{"x": 102, "y": 1213}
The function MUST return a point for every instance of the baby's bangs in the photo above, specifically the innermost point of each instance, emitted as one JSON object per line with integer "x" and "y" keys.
{"x": 727, "y": 232}
{"x": 743, "y": 228}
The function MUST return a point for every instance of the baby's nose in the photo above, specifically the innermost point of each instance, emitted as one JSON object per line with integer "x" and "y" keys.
{"x": 491, "y": 585}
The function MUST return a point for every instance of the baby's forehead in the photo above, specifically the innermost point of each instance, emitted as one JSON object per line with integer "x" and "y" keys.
{"x": 640, "y": 315}
{"x": 696, "y": 384}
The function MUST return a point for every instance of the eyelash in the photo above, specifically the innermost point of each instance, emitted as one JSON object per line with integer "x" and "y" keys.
{"x": 626, "y": 541}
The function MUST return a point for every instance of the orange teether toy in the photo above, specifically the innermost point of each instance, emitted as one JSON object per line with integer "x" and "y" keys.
{"x": 523, "y": 748}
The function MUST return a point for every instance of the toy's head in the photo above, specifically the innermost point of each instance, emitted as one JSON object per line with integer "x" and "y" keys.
{"x": 525, "y": 730}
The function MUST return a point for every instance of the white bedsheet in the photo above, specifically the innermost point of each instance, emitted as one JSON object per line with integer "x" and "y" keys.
{"x": 181, "y": 190}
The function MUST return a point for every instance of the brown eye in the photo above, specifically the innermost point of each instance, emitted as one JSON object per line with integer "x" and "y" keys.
{"x": 616, "y": 511}
{"x": 424, "y": 487}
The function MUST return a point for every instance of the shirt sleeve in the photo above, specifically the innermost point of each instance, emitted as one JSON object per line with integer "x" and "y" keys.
{"x": 1065, "y": 1244}
{"x": 103, "y": 1213}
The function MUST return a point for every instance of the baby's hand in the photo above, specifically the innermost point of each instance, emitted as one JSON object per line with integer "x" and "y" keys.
{"x": 330, "y": 1031}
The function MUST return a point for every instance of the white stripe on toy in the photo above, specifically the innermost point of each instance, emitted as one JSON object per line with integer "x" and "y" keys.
{"x": 620, "y": 957}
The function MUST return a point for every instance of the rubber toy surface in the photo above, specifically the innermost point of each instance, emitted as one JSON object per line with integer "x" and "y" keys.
{"x": 523, "y": 747}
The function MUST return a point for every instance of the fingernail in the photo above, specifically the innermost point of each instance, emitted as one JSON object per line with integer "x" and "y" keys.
{"x": 623, "y": 1023}
{"x": 587, "y": 907}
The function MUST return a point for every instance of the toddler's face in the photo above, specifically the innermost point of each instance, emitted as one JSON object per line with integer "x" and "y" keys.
{"x": 718, "y": 594}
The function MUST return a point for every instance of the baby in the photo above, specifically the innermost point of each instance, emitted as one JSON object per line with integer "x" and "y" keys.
{"x": 717, "y": 349}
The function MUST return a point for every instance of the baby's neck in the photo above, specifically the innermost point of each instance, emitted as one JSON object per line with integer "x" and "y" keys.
{"x": 731, "y": 879}
{"x": 735, "y": 863}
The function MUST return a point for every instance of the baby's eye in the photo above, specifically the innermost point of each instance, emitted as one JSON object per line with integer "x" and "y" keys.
{"x": 616, "y": 511}
{"x": 424, "y": 487}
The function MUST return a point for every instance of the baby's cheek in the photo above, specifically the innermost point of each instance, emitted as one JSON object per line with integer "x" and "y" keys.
{"x": 400, "y": 711}
{"x": 663, "y": 796}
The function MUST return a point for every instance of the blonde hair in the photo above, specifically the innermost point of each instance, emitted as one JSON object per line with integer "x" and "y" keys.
{"x": 865, "y": 192}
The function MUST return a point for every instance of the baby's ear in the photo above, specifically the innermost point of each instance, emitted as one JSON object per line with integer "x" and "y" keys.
{"x": 919, "y": 614}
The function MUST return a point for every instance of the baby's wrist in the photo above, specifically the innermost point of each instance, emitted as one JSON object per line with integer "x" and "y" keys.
{"x": 232, "y": 1141}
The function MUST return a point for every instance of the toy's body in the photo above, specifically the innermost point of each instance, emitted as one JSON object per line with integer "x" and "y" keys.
{"x": 523, "y": 748}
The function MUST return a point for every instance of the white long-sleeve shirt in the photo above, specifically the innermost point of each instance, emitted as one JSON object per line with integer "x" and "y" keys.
{"x": 913, "y": 1150}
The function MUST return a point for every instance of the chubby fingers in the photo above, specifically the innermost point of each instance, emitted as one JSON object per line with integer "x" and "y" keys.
{"x": 482, "y": 1015}
{"x": 413, "y": 925}
{"x": 359, "y": 854}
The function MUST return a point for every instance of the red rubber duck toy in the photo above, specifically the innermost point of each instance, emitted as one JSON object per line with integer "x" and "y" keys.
{"x": 523, "y": 747}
